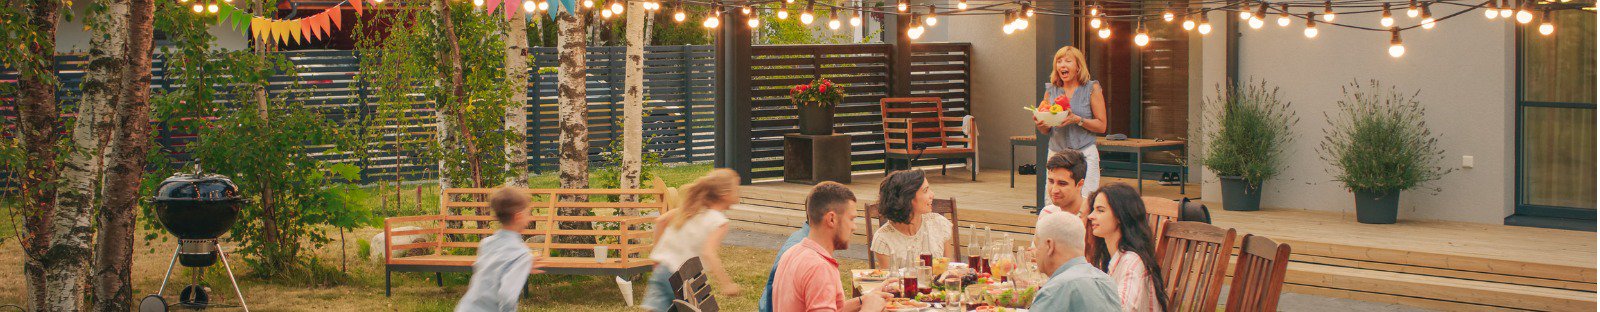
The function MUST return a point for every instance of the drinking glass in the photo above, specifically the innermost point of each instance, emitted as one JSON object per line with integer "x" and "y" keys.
{"x": 952, "y": 294}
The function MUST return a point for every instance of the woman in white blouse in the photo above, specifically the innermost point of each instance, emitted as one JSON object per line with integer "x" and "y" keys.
{"x": 1117, "y": 220}
{"x": 912, "y": 230}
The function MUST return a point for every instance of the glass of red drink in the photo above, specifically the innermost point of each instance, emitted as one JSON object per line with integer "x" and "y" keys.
{"x": 927, "y": 260}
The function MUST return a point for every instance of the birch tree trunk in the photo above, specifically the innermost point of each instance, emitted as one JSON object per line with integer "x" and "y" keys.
{"x": 573, "y": 103}
{"x": 633, "y": 102}
{"x": 516, "y": 118}
{"x": 55, "y": 242}
{"x": 124, "y": 171}
{"x": 102, "y": 89}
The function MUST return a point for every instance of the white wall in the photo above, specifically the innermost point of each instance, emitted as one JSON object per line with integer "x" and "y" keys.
{"x": 1464, "y": 70}
{"x": 1002, "y": 82}
{"x": 72, "y": 38}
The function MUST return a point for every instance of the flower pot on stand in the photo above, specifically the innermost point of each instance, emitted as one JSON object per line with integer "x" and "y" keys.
{"x": 1377, "y": 207}
{"x": 1239, "y": 195}
{"x": 816, "y": 119}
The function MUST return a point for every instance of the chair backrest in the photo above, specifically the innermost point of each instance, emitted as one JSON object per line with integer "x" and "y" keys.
{"x": 1160, "y": 210}
{"x": 689, "y": 287}
{"x": 1194, "y": 260}
{"x": 908, "y": 121}
{"x": 1258, "y": 275}
{"x": 945, "y": 207}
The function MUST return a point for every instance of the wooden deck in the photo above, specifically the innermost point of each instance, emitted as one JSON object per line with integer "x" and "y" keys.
{"x": 1431, "y": 264}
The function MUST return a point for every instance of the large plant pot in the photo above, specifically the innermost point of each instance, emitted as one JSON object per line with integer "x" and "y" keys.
{"x": 1239, "y": 195}
{"x": 1377, "y": 207}
{"x": 816, "y": 119}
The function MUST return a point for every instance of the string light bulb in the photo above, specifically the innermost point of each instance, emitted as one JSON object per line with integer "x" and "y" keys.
{"x": 616, "y": 7}
{"x": 1311, "y": 26}
{"x": 1027, "y": 9}
{"x": 1166, "y": 14}
{"x": 711, "y": 21}
{"x": 903, "y": 5}
{"x": 915, "y": 31}
{"x": 605, "y": 14}
{"x": 679, "y": 16}
{"x": 1490, "y": 10}
{"x": 855, "y": 19}
{"x": 545, "y": 6}
{"x": 529, "y": 7}
{"x": 833, "y": 19}
{"x": 1506, "y": 10}
{"x": 745, "y": 9}
{"x": 1256, "y": 23}
{"x": 1388, "y": 19}
{"x": 212, "y": 8}
{"x": 1523, "y": 15}
{"x": 1021, "y": 23}
{"x": 1094, "y": 10}
{"x": 1105, "y": 33}
{"x": 932, "y": 19}
{"x": 477, "y": 3}
{"x": 1244, "y": 12}
{"x": 805, "y": 16}
{"x": 1546, "y": 26}
{"x": 1396, "y": 47}
{"x": 1188, "y": 24}
{"x": 1261, "y": 12}
{"x": 961, "y": 5}
{"x": 588, "y": 4}
{"x": 198, "y": 8}
{"x": 783, "y": 11}
{"x": 753, "y": 20}
{"x": 1205, "y": 24}
{"x": 1143, "y": 37}
{"x": 1095, "y": 23}
{"x": 1283, "y": 16}
{"x": 1327, "y": 11}
{"x": 1412, "y": 10}
{"x": 1427, "y": 17}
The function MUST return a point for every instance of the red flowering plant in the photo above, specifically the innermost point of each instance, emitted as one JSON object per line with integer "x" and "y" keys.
{"x": 820, "y": 92}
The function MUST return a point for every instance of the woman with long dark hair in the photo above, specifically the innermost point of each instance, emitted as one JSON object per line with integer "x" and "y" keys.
{"x": 905, "y": 200}
{"x": 1124, "y": 247}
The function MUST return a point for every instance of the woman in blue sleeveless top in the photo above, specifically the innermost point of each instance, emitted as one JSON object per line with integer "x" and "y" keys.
{"x": 1071, "y": 78}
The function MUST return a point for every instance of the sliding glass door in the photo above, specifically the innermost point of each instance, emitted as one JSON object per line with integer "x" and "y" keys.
{"x": 1556, "y": 118}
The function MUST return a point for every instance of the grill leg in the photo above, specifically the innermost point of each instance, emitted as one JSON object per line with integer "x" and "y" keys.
{"x": 387, "y": 286}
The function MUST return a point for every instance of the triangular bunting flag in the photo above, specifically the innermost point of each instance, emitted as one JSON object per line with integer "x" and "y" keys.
{"x": 224, "y": 12}
{"x": 313, "y": 22}
{"x": 557, "y": 5}
{"x": 255, "y": 29}
{"x": 305, "y": 29}
{"x": 357, "y": 5}
{"x": 241, "y": 19}
{"x": 336, "y": 17}
{"x": 512, "y": 7}
{"x": 491, "y": 6}
{"x": 280, "y": 32}
{"x": 294, "y": 31}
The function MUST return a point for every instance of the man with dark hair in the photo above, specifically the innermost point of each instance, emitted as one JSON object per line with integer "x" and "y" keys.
{"x": 1064, "y": 182}
{"x": 807, "y": 275}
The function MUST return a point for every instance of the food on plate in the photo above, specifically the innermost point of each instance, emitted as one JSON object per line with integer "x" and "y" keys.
{"x": 904, "y": 303}
{"x": 872, "y": 275}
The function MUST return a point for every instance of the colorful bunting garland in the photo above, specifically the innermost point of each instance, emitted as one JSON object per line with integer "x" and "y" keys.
{"x": 299, "y": 30}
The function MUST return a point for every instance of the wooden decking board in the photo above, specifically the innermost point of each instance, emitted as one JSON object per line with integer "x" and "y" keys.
{"x": 1433, "y": 264}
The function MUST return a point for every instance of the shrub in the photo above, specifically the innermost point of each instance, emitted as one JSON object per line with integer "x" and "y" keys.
{"x": 1247, "y": 129}
{"x": 1380, "y": 142}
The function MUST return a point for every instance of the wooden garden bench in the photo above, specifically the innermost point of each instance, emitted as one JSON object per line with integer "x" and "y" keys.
{"x": 464, "y": 218}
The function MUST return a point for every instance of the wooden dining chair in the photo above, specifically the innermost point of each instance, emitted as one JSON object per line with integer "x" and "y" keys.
{"x": 1194, "y": 260}
{"x": 1258, "y": 275}
{"x": 690, "y": 291}
{"x": 1160, "y": 210}
{"x": 917, "y": 128}
{"x": 945, "y": 207}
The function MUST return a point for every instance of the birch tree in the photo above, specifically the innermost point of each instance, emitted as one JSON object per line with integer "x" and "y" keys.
{"x": 573, "y": 104}
{"x": 633, "y": 100}
{"x": 516, "y": 118}
{"x": 124, "y": 162}
{"x": 102, "y": 89}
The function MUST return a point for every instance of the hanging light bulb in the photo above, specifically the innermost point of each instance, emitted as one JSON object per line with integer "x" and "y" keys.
{"x": 1244, "y": 11}
{"x": 744, "y": 9}
{"x": 1311, "y": 26}
{"x": 1166, "y": 15}
{"x": 1188, "y": 24}
{"x": 1261, "y": 12}
{"x": 1427, "y": 17}
{"x": 1412, "y": 10}
{"x": 1388, "y": 19}
{"x": 679, "y": 16}
{"x": 1396, "y": 47}
{"x": 1021, "y": 23}
{"x": 529, "y": 7}
{"x": 1545, "y": 26}
{"x": 1094, "y": 23}
{"x": 198, "y": 8}
{"x": 212, "y": 8}
{"x": 855, "y": 19}
{"x": 833, "y": 19}
{"x": 1327, "y": 11}
{"x": 1523, "y": 15}
{"x": 915, "y": 31}
{"x": 711, "y": 21}
{"x": 961, "y": 5}
{"x": 1027, "y": 9}
{"x": 183, "y": 1}
{"x": 588, "y": 4}
{"x": 1143, "y": 37}
{"x": 932, "y": 19}
{"x": 1490, "y": 10}
{"x": 753, "y": 20}
{"x": 616, "y": 7}
{"x": 477, "y": 3}
{"x": 805, "y": 16}
{"x": 1256, "y": 22}
{"x": 1205, "y": 24}
{"x": 1008, "y": 28}
{"x": 545, "y": 6}
{"x": 783, "y": 11}
{"x": 605, "y": 14}
{"x": 1283, "y": 16}
{"x": 902, "y": 5}
{"x": 1506, "y": 10}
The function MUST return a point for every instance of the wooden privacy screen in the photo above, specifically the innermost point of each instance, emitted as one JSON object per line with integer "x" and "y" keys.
{"x": 937, "y": 70}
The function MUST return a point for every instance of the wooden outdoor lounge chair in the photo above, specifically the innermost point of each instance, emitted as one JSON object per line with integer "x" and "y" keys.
{"x": 917, "y": 128}
{"x": 945, "y": 207}
{"x": 464, "y": 218}
{"x": 1194, "y": 259}
{"x": 1258, "y": 276}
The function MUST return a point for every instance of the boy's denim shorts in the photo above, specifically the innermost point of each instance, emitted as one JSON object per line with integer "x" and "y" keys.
{"x": 658, "y": 297}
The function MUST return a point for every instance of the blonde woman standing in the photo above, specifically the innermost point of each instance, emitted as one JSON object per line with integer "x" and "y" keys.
{"x": 1070, "y": 77}
{"x": 693, "y": 229}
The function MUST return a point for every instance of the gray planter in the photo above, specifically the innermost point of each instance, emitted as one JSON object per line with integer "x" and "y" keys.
{"x": 1238, "y": 195}
{"x": 816, "y": 119}
{"x": 1377, "y": 207}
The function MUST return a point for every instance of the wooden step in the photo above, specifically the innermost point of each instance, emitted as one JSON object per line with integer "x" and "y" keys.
{"x": 1427, "y": 291}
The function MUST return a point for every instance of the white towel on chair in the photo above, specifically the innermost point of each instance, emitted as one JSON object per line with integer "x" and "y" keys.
{"x": 966, "y": 128}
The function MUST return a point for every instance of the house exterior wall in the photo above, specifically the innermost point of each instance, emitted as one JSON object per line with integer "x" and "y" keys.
{"x": 1464, "y": 71}
{"x": 1002, "y": 83}
{"x": 72, "y": 37}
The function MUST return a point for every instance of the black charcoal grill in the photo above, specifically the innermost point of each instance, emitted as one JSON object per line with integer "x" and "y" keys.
{"x": 197, "y": 208}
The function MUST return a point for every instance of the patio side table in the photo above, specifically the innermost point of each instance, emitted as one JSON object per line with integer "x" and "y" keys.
{"x": 811, "y": 159}
{"x": 1021, "y": 140}
{"x": 1138, "y": 147}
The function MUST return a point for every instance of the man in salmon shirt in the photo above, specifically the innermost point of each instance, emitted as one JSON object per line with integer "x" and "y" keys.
{"x": 808, "y": 276}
